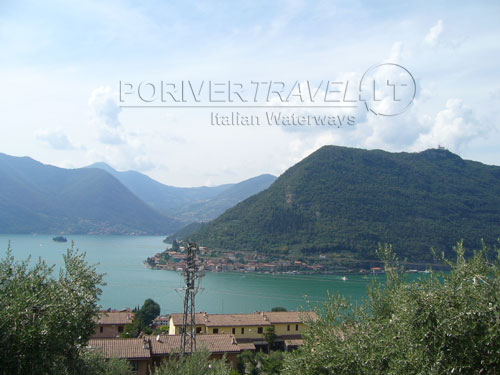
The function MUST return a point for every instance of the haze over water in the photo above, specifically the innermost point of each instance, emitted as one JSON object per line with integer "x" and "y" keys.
{"x": 129, "y": 282}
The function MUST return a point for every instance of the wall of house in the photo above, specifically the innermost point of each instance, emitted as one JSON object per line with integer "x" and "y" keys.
{"x": 282, "y": 329}
{"x": 172, "y": 329}
{"x": 176, "y": 330}
{"x": 108, "y": 331}
{"x": 250, "y": 332}
{"x": 143, "y": 367}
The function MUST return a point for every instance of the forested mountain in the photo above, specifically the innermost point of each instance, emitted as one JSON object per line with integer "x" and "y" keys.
{"x": 192, "y": 204}
{"x": 346, "y": 201}
{"x": 38, "y": 198}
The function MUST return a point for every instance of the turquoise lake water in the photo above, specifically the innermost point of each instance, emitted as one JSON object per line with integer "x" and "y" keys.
{"x": 129, "y": 282}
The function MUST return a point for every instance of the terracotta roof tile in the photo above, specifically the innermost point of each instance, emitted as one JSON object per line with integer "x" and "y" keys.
{"x": 115, "y": 317}
{"x": 165, "y": 344}
{"x": 255, "y": 319}
{"x": 236, "y": 320}
{"x": 290, "y": 316}
{"x": 121, "y": 348}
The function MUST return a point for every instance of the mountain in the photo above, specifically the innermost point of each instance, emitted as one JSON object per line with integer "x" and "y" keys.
{"x": 184, "y": 232}
{"x": 346, "y": 201}
{"x": 188, "y": 204}
{"x": 38, "y": 198}
{"x": 208, "y": 209}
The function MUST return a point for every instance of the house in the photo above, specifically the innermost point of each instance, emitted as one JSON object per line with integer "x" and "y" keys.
{"x": 160, "y": 321}
{"x": 249, "y": 328}
{"x": 136, "y": 351}
{"x": 112, "y": 323}
{"x": 147, "y": 352}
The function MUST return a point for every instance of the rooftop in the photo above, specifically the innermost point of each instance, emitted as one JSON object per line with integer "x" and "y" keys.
{"x": 115, "y": 317}
{"x": 254, "y": 319}
{"x": 165, "y": 344}
{"x": 148, "y": 346}
{"x": 121, "y": 348}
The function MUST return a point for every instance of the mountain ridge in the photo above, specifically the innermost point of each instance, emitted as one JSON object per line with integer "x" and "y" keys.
{"x": 346, "y": 201}
{"x": 40, "y": 198}
{"x": 194, "y": 204}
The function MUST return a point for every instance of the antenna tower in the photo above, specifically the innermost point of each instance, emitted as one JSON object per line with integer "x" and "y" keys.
{"x": 192, "y": 278}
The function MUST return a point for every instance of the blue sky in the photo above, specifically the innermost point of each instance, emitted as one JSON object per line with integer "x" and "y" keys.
{"x": 61, "y": 61}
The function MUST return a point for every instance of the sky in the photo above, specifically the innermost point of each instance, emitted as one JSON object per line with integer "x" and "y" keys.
{"x": 61, "y": 64}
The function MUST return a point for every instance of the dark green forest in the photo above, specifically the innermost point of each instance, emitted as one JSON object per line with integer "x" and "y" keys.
{"x": 347, "y": 201}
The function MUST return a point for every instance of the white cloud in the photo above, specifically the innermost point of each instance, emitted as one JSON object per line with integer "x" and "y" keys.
{"x": 396, "y": 52}
{"x": 57, "y": 140}
{"x": 453, "y": 127}
{"x": 104, "y": 107}
{"x": 432, "y": 38}
{"x": 124, "y": 157}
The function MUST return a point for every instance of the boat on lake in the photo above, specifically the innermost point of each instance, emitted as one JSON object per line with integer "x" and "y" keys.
{"x": 60, "y": 239}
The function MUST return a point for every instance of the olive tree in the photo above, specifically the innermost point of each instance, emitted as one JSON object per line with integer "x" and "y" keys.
{"x": 441, "y": 323}
{"x": 46, "y": 319}
{"x": 197, "y": 363}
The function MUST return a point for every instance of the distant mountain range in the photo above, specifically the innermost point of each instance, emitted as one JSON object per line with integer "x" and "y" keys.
{"x": 188, "y": 205}
{"x": 346, "y": 201}
{"x": 39, "y": 198}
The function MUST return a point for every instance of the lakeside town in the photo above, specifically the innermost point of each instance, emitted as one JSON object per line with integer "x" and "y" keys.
{"x": 174, "y": 259}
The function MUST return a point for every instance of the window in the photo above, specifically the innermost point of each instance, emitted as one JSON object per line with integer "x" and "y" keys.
{"x": 101, "y": 329}
{"x": 296, "y": 327}
{"x": 234, "y": 331}
{"x": 134, "y": 365}
{"x": 288, "y": 327}
{"x": 215, "y": 330}
{"x": 120, "y": 329}
{"x": 198, "y": 329}
{"x": 242, "y": 331}
{"x": 259, "y": 330}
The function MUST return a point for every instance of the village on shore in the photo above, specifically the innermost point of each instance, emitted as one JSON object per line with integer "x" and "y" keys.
{"x": 174, "y": 259}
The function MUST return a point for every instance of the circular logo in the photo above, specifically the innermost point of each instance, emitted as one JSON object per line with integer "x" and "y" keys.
{"x": 387, "y": 89}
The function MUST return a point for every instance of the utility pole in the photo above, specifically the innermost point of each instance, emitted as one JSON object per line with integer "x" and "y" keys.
{"x": 192, "y": 278}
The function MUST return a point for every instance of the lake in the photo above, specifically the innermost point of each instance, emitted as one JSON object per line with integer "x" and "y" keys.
{"x": 129, "y": 282}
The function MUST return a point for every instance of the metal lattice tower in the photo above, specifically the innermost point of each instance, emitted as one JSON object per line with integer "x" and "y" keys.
{"x": 192, "y": 278}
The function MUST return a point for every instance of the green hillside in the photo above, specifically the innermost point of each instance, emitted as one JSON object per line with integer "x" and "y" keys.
{"x": 348, "y": 200}
{"x": 38, "y": 198}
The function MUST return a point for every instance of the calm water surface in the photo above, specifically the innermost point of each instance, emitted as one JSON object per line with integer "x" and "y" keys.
{"x": 129, "y": 282}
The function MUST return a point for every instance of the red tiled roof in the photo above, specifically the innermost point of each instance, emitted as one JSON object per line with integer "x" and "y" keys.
{"x": 121, "y": 348}
{"x": 235, "y": 320}
{"x": 255, "y": 319}
{"x": 115, "y": 317}
{"x": 161, "y": 345}
{"x": 294, "y": 317}
{"x": 165, "y": 344}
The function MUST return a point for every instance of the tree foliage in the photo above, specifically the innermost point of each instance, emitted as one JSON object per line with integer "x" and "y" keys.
{"x": 143, "y": 319}
{"x": 94, "y": 363}
{"x": 45, "y": 319}
{"x": 197, "y": 363}
{"x": 442, "y": 323}
{"x": 260, "y": 363}
{"x": 345, "y": 201}
{"x": 278, "y": 308}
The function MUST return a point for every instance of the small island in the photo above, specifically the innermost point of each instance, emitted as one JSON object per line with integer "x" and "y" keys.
{"x": 60, "y": 239}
